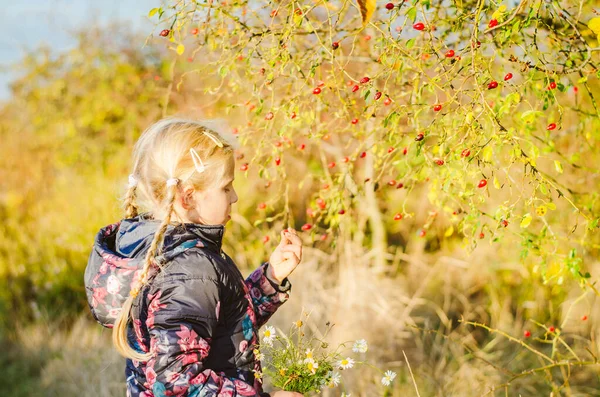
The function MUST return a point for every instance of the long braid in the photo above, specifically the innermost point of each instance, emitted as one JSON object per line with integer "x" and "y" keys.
{"x": 119, "y": 335}
{"x": 131, "y": 208}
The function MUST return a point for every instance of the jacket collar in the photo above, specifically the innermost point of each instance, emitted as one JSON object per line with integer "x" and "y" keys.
{"x": 211, "y": 235}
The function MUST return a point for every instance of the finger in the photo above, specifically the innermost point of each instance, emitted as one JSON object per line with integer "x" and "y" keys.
{"x": 294, "y": 239}
{"x": 293, "y": 248}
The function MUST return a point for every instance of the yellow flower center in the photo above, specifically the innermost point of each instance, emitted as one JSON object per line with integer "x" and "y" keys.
{"x": 267, "y": 334}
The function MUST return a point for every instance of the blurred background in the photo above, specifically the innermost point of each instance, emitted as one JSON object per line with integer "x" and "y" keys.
{"x": 77, "y": 88}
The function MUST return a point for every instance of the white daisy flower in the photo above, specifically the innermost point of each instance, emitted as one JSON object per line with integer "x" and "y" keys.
{"x": 312, "y": 365}
{"x": 345, "y": 395}
{"x": 334, "y": 378}
{"x": 388, "y": 378}
{"x": 258, "y": 355}
{"x": 360, "y": 346}
{"x": 345, "y": 363}
{"x": 269, "y": 335}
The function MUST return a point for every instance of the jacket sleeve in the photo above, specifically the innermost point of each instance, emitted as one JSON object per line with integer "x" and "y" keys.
{"x": 181, "y": 321}
{"x": 267, "y": 295}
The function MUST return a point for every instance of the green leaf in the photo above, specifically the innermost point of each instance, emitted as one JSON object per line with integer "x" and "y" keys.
{"x": 558, "y": 166}
{"x": 529, "y": 116}
{"x": 410, "y": 43}
{"x": 223, "y": 70}
{"x": 412, "y": 14}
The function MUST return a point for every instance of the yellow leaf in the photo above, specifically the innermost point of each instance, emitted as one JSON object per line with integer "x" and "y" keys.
{"x": 496, "y": 182}
{"x": 487, "y": 153}
{"x": 551, "y": 206}
{"x": 367, "y": 7}
{"x": 499, "y": 12}
{"x": 594, "y": 25}
{"x": 180, "y": 49}
{"x": 558, "y": 166}
{"x": 449, "y": 231}
{"x": 526, "y": 220}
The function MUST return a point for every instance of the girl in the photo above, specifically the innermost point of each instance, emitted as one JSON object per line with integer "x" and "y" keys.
{"x": 181, "y": 312}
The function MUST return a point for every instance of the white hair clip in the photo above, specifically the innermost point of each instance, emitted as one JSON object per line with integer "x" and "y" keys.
{"x": 211, "y": 136}
{"x": 132, "y": 181}
{"x": 172, "y": 181}
{"x": 197, "y": 161}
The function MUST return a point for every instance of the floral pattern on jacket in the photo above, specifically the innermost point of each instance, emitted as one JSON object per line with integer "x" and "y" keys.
{"x": 199, "y": 318}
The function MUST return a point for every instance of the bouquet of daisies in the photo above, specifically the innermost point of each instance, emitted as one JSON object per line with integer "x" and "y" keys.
{"x": 299, "y": 364}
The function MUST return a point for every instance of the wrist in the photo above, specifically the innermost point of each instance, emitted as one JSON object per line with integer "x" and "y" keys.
{"x": 271, "y": 275}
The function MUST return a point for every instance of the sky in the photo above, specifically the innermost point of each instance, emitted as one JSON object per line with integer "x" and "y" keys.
{"x": 29, "y": 23}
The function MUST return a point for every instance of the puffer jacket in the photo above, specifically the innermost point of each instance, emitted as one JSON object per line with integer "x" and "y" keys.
{"x": 198, "y": 316}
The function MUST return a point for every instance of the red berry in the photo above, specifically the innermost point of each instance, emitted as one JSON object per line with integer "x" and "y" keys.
{"x": 302, "y": 146}
{"x": 364, "y": 80}
{"x": 493, "y": 84}
{"x": 293, "y": 115}
{"x": 325, "y": 186}
{"x": 355, "y": 88}
{"x": 419, "y": 26}
{"x": 244, "y": 167}
{"x": 508, "y": 76}
{"x": 551, "y": 126}
{"x": 418, "y": 138}
{"x": 527, "y": 334}
{"x": 389, "y": 6}
{"x": 335, "y": 45}
{"x": 481, "y": 235}
{"x": 439, "y": 162}
{"x": 493, "y": 22}
{"x": 400, "y": 185}
{"x": 164, "y": 32}
{"x": 269, "y": 116}
{"x": 437, "y": 108}
{"x": 273, "y": 13}
{"x": 387, "y": 101}
{"x": 363, "y": 155}
{"x": 331, "y": 165}
{"x": 392, "y": 182}
{"x": 397, "y": 217}
{"x": 575, "y": 89}
{"x": 194, "y": 31}
{"x": 277, "y": 161}
{"x": 317, "y": 91}
{"x": 504, "y": 222}
{"x": 323, "y": 237}
{"x": 262, "y": 206}
{"x": 584, "y": 318}
{"x": 551, "y": 329}
{"x": 354, "y": 121}
{"x": 391, "y": 149}
{"x": 405, "y": 150}
{"x": 377, "y": 95}
{"x": 465, "y": 153}
{"x": 482, "y": 183}
{"x": 552, "y": 85}
{"x": 341, "y": 212}
{"x": 346, "y": 159}
{"x": 449, "y": 53}
{"x": 306, "y": 226}
{"x": 422, "y": 232}
{"x": 265, "y": 239}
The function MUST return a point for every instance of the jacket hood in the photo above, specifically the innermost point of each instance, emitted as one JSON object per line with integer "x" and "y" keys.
{"x": 135, "y": 235}
{"x": 118, "y": 253}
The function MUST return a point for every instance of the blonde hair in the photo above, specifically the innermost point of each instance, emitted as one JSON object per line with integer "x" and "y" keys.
{"x": 164, "y": 153}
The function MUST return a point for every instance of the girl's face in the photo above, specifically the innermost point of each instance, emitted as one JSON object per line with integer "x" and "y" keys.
{"x": 212, "y": 206}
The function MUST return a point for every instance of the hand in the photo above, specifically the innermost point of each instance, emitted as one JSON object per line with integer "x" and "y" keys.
{"x": 286, "y": 256}
{"x": 281, "y": 393}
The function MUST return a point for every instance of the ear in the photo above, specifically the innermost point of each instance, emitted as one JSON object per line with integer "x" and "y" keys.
{"x": 187, "y": 198}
